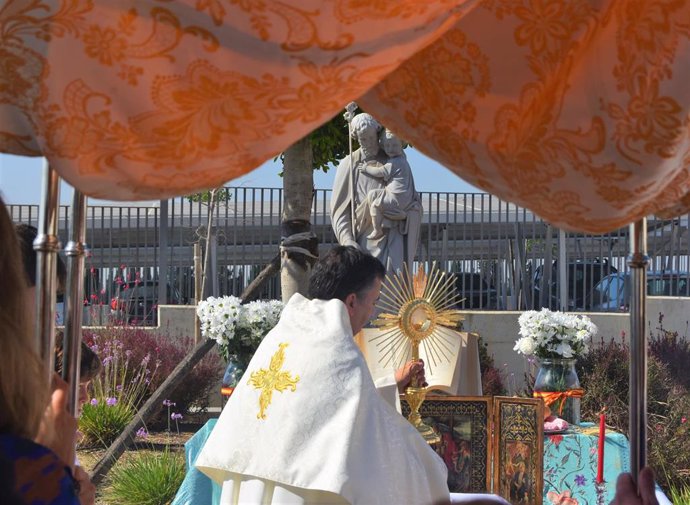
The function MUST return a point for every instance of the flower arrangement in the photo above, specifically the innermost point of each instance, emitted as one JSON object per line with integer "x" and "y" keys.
{"x": 554, "y": 335}
{"x": 238, "y": 329}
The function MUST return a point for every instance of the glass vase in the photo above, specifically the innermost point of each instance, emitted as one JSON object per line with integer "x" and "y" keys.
{"x": 234, "y": 371}
{"x": 559, "y": 376}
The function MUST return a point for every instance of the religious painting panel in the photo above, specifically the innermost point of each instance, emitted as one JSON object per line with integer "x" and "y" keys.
{"x": 518, "y": 449}
{"x": 462, "y": 422}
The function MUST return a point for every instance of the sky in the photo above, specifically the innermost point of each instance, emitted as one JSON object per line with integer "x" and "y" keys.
{"x": 20, "y": 178}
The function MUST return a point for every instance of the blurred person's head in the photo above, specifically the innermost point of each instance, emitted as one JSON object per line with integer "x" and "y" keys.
{"x": 23, "y": 388}
{"x": 90, "y": 365}
{"x": 26, "y": 235}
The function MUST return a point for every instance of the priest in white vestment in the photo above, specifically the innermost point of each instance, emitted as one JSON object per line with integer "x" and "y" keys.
{"x": 306, "y": 424}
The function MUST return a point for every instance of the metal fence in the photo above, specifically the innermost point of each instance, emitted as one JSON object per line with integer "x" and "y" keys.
{"x": 501, "y": 252}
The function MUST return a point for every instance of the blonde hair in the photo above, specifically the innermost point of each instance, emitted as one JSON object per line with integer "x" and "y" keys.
{"x": 23, "y": 388}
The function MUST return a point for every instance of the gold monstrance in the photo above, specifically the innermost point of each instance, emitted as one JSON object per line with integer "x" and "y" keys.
{"x": 417, "y": 307}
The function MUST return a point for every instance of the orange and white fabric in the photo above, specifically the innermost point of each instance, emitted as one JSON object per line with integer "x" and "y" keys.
{"x": 576, "y": 109}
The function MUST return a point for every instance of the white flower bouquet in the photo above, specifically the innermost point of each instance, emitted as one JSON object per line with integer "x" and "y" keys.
{"x": 554, "y": 335}
{"x": 238, "y": 329}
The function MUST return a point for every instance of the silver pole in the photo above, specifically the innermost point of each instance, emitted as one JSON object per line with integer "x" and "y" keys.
{"x": 197, "y": 289}
{"x": 47, "y": 246}
{"x": 163, "y": 257}
{"x": 562, "y": 271}
{"x": 638, "y": 261}
{"x": 75, "y": 251}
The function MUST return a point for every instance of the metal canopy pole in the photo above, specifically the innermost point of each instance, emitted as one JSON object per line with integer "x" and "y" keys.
{"x": 162, "y": 295}
{"x": 47, "y": 246}
{"x": 638, "y": 261}
{"x": 562, "y": 272}
{"x": 75, "y": 252}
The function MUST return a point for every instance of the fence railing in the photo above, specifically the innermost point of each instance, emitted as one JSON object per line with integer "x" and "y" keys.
{"x": 501, "y": 252}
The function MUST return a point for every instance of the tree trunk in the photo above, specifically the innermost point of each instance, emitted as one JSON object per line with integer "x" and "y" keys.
{"x": 299, "y": 246}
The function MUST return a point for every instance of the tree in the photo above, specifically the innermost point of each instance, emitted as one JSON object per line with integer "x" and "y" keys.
{"x": 299, "y": 249}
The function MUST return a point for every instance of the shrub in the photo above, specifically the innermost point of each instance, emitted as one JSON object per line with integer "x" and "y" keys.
{"x": 492, "y": 379}
{"x": 673, "y": 350}
{"x": 101, "y": 424}
{"x": 680, "y": 495}
{"x": 167, "y": 353}
{"x": 117, "y": 392}
{"x": 604, "y": 376}
{"x": 146, "y": 478}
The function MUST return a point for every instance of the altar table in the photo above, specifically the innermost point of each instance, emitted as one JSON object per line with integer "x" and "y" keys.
{"x": 198, "y": 489}
{"x": 570, "y": 467}
{"x": 570, "y": 464}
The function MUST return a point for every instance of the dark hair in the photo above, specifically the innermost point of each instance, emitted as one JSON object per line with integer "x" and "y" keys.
{"x": 90, "y": 364}
{"x": 342, "y": 271}
{"x": 26, "y": 235}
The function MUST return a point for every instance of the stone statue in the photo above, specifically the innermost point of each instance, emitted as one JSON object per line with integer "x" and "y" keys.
{"x": 374, "y": 205}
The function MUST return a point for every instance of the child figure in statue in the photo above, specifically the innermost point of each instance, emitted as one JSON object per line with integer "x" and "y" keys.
{"x": 390, "y": 203}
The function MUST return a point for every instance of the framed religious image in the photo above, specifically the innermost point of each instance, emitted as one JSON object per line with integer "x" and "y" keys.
{"x": 518, "y": 449}
{"x": 462, "y": 422}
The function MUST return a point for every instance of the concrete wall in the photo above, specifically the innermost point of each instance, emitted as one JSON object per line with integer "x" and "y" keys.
{"x": 499, "y": 329}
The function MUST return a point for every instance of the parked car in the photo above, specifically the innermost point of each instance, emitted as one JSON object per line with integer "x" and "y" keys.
{"x": 137, "y": 302}
{"x": 612, "y": 293}
{"x": 582, "y": 275}
{"x": 477, "y": 293}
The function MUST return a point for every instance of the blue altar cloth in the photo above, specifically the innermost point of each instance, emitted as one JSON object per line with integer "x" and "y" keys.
{"x": 196, "y": 487}
{"x": 570, "y": 467}
{"x": 570, "y": 464}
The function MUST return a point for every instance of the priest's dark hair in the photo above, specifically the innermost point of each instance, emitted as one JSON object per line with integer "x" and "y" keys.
{"x": 344, "y": 270}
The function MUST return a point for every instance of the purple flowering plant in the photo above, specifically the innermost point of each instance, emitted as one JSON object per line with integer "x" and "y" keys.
{"x": 123, "y": 380}
{"x": 176, "y": 416}
{"x": 117, "y": 393}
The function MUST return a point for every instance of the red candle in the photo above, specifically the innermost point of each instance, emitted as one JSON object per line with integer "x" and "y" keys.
{"x": 602, "y": 441}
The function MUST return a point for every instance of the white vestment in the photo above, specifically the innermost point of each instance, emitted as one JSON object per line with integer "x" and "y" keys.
{"x": 333, "y": 439}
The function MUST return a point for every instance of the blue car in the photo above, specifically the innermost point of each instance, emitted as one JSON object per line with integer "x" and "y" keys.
{"x": 612, "y": 293}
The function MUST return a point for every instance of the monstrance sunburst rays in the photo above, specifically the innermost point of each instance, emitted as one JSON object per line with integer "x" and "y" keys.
{"x": 420, "y": 308}
{"x": 416, "y": 311}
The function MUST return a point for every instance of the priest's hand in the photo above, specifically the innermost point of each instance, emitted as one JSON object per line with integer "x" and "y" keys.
{"x": 627, "y": 491}
{"x": 411, "y": 373}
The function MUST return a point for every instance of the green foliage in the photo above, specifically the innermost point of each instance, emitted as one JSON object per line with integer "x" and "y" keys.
{"x": 101, "y": 423}
{"x": 222, "y": 195}
{"x": 604, "y": 376}
{"x": 147, "y": 478}
{"x": 680, "y": 496}
{"x": 329, "y": 142}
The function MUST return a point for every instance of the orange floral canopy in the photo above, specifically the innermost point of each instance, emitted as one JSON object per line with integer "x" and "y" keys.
{"x": 576, "y": 109}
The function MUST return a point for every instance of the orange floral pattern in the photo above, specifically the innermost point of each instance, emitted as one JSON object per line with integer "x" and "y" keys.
{"x": 575, "y": 109}
{"x": 209, "y": 88}
{"x": 585, "y": 120}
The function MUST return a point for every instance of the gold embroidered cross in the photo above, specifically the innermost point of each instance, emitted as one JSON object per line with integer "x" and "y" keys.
{"x": 273, "y": 378}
